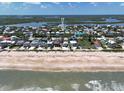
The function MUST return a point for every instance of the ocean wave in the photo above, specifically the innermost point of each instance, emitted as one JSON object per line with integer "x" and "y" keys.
{"x": 99, "y": 85}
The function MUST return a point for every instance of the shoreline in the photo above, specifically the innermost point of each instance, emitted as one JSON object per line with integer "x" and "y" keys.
{"x": 62, "y": 61}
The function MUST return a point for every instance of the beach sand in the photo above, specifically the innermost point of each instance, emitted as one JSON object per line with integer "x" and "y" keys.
{"x": 62, "y": 61}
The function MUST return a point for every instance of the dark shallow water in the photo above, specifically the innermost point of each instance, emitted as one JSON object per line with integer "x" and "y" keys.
{"x": 64, "y": 81}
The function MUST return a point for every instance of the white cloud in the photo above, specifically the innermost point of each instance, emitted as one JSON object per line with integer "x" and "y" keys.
{"x": 27, "y": 5}
{"x": 93, "y": 3}
{"x": 37, "y": 3}
{"x": 43, "y": 6}
{"x": 6, "y": 3}
{"x": 56, "y": 3}
{"x": 109, "y": 3}
{"x": 24, "y": 6}
{"x": 122, "y": 4}
{"x": 72, "y": 5}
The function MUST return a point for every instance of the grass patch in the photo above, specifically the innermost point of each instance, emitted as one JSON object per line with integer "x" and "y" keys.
{"x": 84, "y": 43}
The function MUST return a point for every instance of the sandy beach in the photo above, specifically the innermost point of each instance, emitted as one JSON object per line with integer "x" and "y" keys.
{"x": 62, "y": 61}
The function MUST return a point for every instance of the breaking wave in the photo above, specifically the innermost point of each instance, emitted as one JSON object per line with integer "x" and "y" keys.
{"x": 99, "y": 85}
{"x": 4, "y": 88}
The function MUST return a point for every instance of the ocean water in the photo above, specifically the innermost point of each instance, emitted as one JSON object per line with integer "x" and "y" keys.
{"x": 61, "y": 81}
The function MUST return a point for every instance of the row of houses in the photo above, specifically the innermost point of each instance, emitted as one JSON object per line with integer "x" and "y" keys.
{"x": 39, "y": 44}
{"x": 55, "y": 38}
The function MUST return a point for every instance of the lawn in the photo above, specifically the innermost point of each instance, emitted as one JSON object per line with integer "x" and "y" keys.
{"x": 84, "y": 43}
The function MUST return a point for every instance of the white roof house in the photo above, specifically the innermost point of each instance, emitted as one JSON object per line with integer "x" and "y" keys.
{"x": 111, "y": 41}
{"x": 73, "y": 42}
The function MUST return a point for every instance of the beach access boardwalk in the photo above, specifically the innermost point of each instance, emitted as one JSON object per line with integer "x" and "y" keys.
{"x": 56, "y": 61}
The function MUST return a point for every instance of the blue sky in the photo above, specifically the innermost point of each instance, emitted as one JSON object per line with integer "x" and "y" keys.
{"x": 61, "y": 8}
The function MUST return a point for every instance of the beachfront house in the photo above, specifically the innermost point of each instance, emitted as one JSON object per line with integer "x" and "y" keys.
{"x": 122, "y": 45}
{"x": 57, "y": 44}
{"x": 65, "y": 46}
{"x": 26, "y": 44}
{"x": 42, "y": 46}
{"x": 115, "y": 46}
{"x": 34, "y": 43}
{"x": 97, "y": 44}
{"x": 50, "y": 45}
{"x": 20, "y": 43}
{"x": 73, "y": 44}
{"x": 5, "y": 43}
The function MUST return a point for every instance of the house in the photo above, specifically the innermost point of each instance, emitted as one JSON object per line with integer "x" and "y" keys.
{"x": 111, "y": 41}
{"x": 57, "y": 44}
{"x": 53, "y": 33}
{"x": 65, "y": 46}
{"x": 4, "y": 38}
{"x": 3, "y": 45}
{"x": 14, "y": 38}
{"x": 122, "y": 45}
{"x": 79, "y": 34}
{"x": 42, "y": 45}
{"x": 1, "y": 38}
{"x": 27, "y": 33}
{"x": 26, "y": 44}
{"x": 61, "y": 33}
{"x": 57, "y": 33}
{"x": 50, "y": 45}
{"x": 119, "y": 39}
{"x": 34, "y": 43}
{"x": 73, "y": 44}
{"x": 20, "y": 43}
{"x": 115, "y": 46}
{"x": 44, "y": 40}
{"x": 97, "y": 44}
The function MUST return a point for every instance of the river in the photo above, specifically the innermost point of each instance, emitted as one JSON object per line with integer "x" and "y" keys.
{"x": 38, "y": 24}
{"x": 61, "y": 81}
